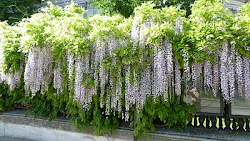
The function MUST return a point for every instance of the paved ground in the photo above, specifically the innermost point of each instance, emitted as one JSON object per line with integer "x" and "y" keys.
{"x": 13, "y": 139}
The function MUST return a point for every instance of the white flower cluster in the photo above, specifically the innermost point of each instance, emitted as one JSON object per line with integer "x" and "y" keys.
{"x": 246, "y": 64}
{"x": 179, "y": 26}
{"x": 231, "y": 72}
{"x": 103, "y": 48}
{"x": 145, "y": 86}
{"x": 239, "y": 74}
{"x": 160, "y": 83}
{"x": 196, "y": 74}
{"x": 38, "y": 70}
{"x": 135, "y": 31}
{"x": 187, "y": 72}
{"x": 70, "y": 65}
{"x": 128, "y": 95}
{"x": 142, "y": 86}
{"x": 116, "y": 94}
{"x": 216, "y": 75}
{"x": 58, "y": 78}
{"x": 12, "y": 79}
{"x": 227, "y": 71}
{"x": 224, "y": 71}
{"x": 208, "y": 74}
{"x": 177, "y": 79}
{"x": 142, "y": 33}
{"x": 163, "y": 69}
{"x": 157, "y": 78}
{"x": 80, "y": 87}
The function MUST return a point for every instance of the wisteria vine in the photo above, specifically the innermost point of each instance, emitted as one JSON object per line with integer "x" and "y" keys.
{"x": 117, "y": 58}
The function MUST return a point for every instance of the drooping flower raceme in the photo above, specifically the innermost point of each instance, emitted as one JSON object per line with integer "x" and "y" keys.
{"x": 208, "y": 74}
{"x": 11, "y": 59}
{"x": 231, "y": 71}
{"x": 177, "y": 78}
{"x": 196, "y": 74}
{"x": 58, "y": 78}
{"x": 216, "y": 75}
{"x": 224, "y": 71}
{"x": 160, "y": 76}
{"x": 246, "y": 64}
{"x": 80, "y": 88}
{"x": 239, "y": 74}
{"x": 70, "y": 65}
{"x": 38, "y": 70}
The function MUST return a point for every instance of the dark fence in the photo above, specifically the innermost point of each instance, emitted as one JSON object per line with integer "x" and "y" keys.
{"x": 223, "y": 121}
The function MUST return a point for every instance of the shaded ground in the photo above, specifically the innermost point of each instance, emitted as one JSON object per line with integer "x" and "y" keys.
{"x": 13, "y": 139}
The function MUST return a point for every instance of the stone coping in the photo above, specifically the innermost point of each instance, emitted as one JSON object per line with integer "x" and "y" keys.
{"x": 20, "y": 117}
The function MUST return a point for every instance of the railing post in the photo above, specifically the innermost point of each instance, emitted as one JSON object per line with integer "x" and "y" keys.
{"x": 220, "y": 123}
{"x": 241, "y": 124}
{"x": 207, "y": 121}
{"x": 190, "y": 123}
{"x": 201, "y": 120}
{"x": 247, "y": 124}
{"x": 195, "y": 121}
{"x": 227, "y": 119}
{"x": 234, "y": 124}
{"x": 214, "y": 121}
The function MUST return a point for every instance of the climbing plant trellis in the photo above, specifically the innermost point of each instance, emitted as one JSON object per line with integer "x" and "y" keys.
{"x": 128, "y": 63}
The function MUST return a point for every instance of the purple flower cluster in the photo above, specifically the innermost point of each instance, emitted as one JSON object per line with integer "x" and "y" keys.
{"x": 70, "y": 64}
{"x": 224, "y": 71}
{"x": 239, "y": 74}
{"x": 216, "y": 75}
{"x": 177, "y": 79}
{"x": 246, "y": 64}
{"x": 38, "y": 70}
{"x": 208, "y": 74}
{"x": 58, "y": 78}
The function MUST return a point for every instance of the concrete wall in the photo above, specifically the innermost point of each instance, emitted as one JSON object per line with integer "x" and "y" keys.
{"x": 17, "y": 125}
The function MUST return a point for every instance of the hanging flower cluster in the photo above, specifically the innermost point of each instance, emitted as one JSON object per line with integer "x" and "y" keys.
{"x": 38, "y": 70}
{"x": 221, "y": 49}
{"x": 11, "y": 59}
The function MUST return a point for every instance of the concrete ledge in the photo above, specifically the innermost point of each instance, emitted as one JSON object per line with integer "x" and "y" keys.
{"x": 20, "y": 126}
